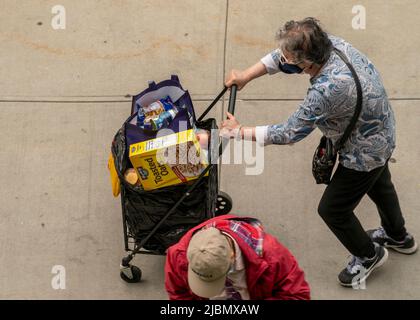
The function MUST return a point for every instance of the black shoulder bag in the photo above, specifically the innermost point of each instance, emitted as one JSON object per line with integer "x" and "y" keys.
{"x": 325, "y": 155}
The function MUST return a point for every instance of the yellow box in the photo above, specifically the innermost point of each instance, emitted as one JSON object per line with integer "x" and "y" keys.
{"x": 168, "y": 160}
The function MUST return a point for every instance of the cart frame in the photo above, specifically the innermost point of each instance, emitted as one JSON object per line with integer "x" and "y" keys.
{"x": 131, "y": 273}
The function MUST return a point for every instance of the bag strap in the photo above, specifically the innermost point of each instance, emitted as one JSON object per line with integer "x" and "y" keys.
{"x": 359, "y": 102}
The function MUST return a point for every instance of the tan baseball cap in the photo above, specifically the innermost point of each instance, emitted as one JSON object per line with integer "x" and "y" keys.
{"x": 209, "y": 257}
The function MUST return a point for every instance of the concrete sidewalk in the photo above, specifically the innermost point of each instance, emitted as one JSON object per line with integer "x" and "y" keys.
{"x": 64, "y": 94}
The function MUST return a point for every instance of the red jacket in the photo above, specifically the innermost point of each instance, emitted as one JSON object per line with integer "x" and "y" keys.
{"x": 275, "y": 275}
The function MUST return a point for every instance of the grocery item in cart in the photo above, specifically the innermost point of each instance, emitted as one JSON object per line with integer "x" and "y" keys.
{"x": 168, "y": 160}
{"x": 161, "y": 121}
{"x": 157, "y": 115}
{"x": 131, "y": 177}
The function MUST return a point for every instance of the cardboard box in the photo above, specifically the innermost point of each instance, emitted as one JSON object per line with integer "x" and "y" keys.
{"x": 168, "y": 160}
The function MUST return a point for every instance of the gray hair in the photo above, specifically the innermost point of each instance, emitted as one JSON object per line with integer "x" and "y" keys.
{"x": 305, "y": 40}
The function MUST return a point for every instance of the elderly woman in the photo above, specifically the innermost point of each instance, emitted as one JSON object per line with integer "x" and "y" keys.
{"x": 363, "y": 161}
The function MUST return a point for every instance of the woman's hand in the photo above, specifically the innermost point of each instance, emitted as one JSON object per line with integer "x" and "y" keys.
{"x": 238, "y": 77}
{"x": 230, "y": 127}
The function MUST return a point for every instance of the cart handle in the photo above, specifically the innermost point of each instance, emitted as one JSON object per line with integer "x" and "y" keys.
{"x": 232, "y": 101}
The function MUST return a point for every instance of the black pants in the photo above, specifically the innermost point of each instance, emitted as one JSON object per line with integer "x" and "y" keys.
{"x": 342, "y": 196}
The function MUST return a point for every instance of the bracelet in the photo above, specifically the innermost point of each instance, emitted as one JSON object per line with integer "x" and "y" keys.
{"x": 239, "y": 130}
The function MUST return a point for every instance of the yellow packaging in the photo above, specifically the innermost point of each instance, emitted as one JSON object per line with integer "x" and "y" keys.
{"x": 168, "y": 160}
{"x": 115, "y": 181}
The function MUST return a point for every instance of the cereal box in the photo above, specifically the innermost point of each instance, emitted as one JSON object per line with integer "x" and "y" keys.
{"x": 168, "y": 160}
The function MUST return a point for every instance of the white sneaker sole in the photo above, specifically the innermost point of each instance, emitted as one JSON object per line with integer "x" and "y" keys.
{"x": 368, "y": 272}
{"x": 411, "y": 250}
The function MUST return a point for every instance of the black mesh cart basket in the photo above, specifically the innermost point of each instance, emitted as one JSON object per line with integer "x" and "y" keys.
{"x": 156, "y": 219}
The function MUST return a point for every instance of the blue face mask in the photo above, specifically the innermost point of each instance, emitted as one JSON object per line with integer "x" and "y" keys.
{"x": 290, "y": 68}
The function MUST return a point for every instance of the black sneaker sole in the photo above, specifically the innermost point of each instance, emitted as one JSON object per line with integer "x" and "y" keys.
{"x": 367, "y": 274}
{"x": 407, "y": 251}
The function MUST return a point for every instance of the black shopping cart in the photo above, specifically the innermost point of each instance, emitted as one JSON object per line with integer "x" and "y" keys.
{"x": 154, "y": 220}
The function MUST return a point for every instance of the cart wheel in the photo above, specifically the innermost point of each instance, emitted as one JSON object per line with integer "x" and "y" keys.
{"x": 136, "y": 275}
{"x": 224, "y": 203}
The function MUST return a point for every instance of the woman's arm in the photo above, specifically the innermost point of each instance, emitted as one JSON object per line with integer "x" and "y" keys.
{"x": 241, "y": 78}
{"x": 299, "y": 125}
